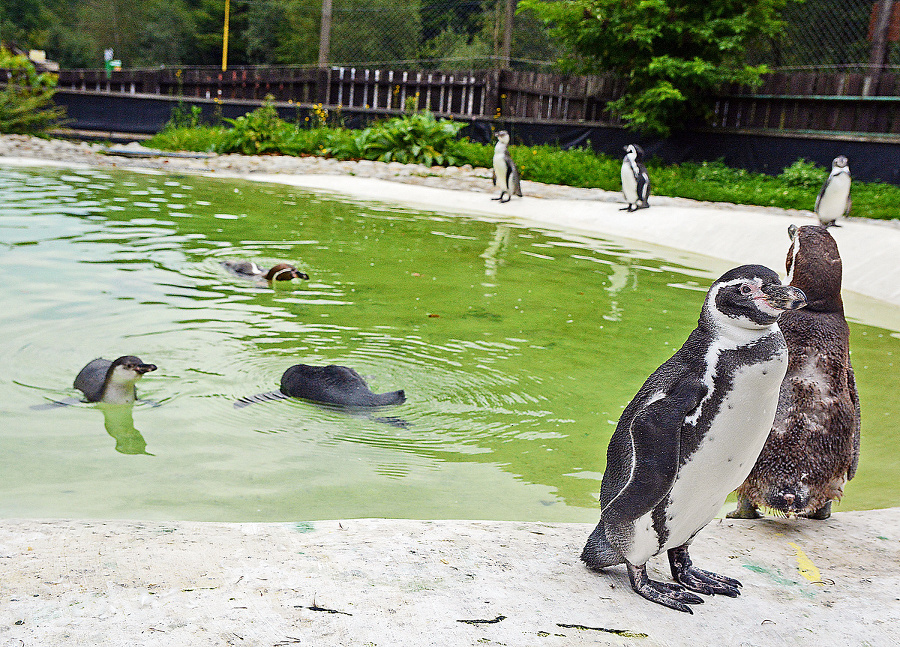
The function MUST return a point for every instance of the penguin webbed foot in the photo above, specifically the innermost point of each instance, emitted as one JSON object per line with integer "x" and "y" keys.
{"x": 674, "y": 596}
{"x": 744, "y": 510}
{"x": 698, "y": 580}
{"x": 819, "y": 515}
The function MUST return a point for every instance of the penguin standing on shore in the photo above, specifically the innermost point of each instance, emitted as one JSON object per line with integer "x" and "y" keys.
{"x": 691, "y": 435}
{"x": 834, "y": 197}
{"x": 635, "y": 179}
{"x": 813, "y": 447}
{"x": 506, "y": 174}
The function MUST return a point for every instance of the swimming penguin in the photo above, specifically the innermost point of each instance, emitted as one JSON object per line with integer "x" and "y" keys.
{"x": 506, "y": 174}
{"x": 112, "y": 382}
{"x": 691, "y": 435}
{"x": 635, "y": 180}
{"x": 813, "y": 447}
{"x": 834, "y": 197}
{"x": 279, "y": 272}
{"x": 330, "y": 384}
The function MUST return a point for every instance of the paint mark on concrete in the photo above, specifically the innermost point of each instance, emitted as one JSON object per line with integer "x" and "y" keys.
{"x": 806, "y": 567}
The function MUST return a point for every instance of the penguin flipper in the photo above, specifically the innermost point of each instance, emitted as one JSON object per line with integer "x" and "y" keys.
{"x": 513, "y": 180}
{"x": 55, "y": 404}
{"x": 854, "y": 396}
{"x": 494, "y": 177}
{"x": 655, "y": 432}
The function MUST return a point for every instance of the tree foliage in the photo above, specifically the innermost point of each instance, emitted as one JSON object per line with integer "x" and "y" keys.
{"x": 26, "y": 99}
{"x": 672, "y": 54}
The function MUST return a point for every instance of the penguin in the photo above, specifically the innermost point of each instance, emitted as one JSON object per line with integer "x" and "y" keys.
{"x": 691, "y": 435}
{"x": 112, "y": 382}
{"x": 834, "y": 197}
{"x": 635, "y": 180}
{"x": 332, "y": 384}
{"x": 506, "y": 174}
{"x": 279, "y": 272}
{"x": 813, "y": 446}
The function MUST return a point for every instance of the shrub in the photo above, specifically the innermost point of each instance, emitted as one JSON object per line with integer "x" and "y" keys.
{"x": 804, "y": 174}
{"x": 411, "y": 139}
{"x": 26, "y": 102}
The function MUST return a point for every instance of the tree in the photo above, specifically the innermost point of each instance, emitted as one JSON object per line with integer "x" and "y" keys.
{"x": 26, "y": 99}
{"x": 672, "y": 54}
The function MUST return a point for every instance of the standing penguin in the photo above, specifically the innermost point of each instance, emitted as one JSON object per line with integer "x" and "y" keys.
{"x": 813, "y": 447}
{"x": 834, "y": 197}
{"x": 635, "y": 180}
{"x": 506, "y": 175}
{"x": 112, "y": 381}
{"x": 691, "y": 435}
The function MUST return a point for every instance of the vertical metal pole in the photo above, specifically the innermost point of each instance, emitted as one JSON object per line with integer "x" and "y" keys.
{"x": 325, "y": 33}
{"x": 507, "y": 32}
{"x": 225, "y": 36}
{"x": 877, "y": 59}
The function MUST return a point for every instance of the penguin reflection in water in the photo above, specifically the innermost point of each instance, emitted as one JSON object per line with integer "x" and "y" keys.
{"x": 691, "y": 435}
{"x": 635, "y": 180}
{"x": 834, "y": 200}
{"x": 506, "y": 174}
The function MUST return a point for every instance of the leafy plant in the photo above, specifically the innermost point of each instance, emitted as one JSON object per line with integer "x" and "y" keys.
{"x": 803, "y": 173}
{"x": 416, "y": 138}
{"x": 26, "y": 101}
{"x": 672, "y": 54}
{"x": 261, "y": 131}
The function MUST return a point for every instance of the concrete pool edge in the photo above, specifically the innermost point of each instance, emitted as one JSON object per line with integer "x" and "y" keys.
{"x": 405, "y": 582}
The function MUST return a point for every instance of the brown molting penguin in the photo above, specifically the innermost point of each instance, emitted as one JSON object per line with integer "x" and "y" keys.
{"x": 813, "y": 447}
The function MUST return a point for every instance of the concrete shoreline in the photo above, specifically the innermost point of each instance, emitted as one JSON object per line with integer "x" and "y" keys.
{"x": 404, "y": 582}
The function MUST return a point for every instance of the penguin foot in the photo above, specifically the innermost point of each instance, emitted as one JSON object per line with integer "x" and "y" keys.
{"x": 669, "y": 595}
{"x": 508, "y": 198}
{"x": 626, "y": 208}
{"x": 821, "y": 514}
{"x": 744, "y": 510}
{"x": 698, "y": 580}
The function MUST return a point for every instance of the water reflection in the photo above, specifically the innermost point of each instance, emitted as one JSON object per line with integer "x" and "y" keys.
{"x": 118, "y": 419}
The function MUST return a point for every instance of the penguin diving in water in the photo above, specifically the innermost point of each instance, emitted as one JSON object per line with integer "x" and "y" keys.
{"x": 112, "y": 382}
{"x": 332, "y": 384}
{"x": 279, "y": 272}
{"x": 635, "y": 180}
{"x": 691, "y": 435}
{"x": 813, "y": 447}
{"x": 834, "y": 197}
{"x": 506, "y": 174}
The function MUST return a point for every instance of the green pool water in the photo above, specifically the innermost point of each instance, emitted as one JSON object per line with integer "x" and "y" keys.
{"x": 517, "y": 348}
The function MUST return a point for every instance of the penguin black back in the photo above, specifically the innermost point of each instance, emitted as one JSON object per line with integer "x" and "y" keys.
{"x": 334, "y": 385}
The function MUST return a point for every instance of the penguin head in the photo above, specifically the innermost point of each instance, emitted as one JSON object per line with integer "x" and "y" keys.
{"x": 503, "y": 137}
{"x": 814, "y": 265}
{"x": 634, "y": 151}
{"x": 749, "y": 296}
{"x": 127, "y": 369}
{"x": 839, "y": 162}
{"x": 285, "y": 272}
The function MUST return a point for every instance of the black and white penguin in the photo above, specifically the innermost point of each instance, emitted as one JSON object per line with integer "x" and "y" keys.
{"x": 332, "y": 384}
{"x": 279, "y": 272}
{"x": 691, "y": 435}
{"x": 813, "y": 447}
{"x": 112, "y": 382}
{"x": 506, "y": 174}
{"x": 635, "y": 180}
{"x": 834, "y": 197}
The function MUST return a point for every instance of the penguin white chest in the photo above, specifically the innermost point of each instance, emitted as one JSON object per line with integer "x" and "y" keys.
{"x": 727, "y": 451}
{"x": 501, "y": 170}
{"x": 629, "y": 182}
{"x": 834, "y": 200}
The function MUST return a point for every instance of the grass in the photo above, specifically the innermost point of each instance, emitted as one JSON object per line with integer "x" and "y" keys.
{"x": 795, "y": 188}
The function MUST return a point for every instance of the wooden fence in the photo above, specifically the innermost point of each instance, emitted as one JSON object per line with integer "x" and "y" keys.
{"x": 798, "y": 101}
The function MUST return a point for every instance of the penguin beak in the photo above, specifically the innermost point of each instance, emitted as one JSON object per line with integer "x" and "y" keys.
{"x": 784, "y": 297}
{"x": 300, "y": 275}
{"x": 144, "y": 368}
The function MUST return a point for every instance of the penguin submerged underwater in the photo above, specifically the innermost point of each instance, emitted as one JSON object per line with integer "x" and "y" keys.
{"x": 332, "y": 384}
{"x": 691, "y": 435}
{"x": 813, "y": 446}
{"x": 112, "y": 382}
{"x": 506, "y": 173}
{"x": 635, "y": 179}
{"x": 834, "y": 199}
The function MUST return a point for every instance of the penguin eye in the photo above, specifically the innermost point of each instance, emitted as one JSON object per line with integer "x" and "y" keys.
{"x": 745, "y": 289}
